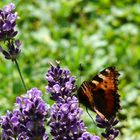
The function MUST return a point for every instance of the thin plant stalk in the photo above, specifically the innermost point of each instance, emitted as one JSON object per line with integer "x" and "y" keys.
{"x": 18, "y": 68}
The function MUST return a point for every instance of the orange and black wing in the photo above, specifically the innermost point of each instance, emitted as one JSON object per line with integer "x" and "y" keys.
{"x": 100, "y": 94}
{"x": 84, "y": 95}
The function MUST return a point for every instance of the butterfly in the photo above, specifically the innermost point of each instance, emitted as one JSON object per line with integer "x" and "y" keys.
{"x": 100, "y": 94}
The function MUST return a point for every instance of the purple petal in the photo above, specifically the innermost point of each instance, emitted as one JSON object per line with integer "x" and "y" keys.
{"x": 12, "y": 17}
{"x": 49, "y": 78}
{"x": 68, "y": 85}
{"x": 30, "y": 125}
{"x": 6, "y": 54}
{"x": 65, "y": 108}
{"x": 18, "y": 43}
{"x": 9, "y": 132}
{"x": 34, "y": 92}
{"x": 87, "y": 135}
{"x": 56, "y": 87}
{"x": 7, "y": 26}
{"x": 48, "y": 89}
{"x": 9, "y": 8}
{"x": 14, "y": 120}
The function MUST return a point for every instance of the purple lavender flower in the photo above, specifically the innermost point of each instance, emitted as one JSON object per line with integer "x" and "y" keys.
{"x": 28, "y": 121}
{"x": 88, "y": 136}
{"x": 33, "y": 114}
{"x": 8, "y": 22}
{"x": 110, "y": 132}
{"x": 23, "y": 136}
{"x": 13, "y": 50}
{"x": 65, "y": 120}
{"x": 10, "y": 125}
{"x": 7, "y": 32}
{"x": 60, "y": 83}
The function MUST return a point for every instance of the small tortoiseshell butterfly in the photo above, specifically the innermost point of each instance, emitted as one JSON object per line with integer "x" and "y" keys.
{"x": 100, "y": 94}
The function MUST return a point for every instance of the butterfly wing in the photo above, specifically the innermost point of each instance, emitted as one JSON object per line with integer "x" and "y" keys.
{"x": 100, "y": 94}
{"x": 84, "y": 95}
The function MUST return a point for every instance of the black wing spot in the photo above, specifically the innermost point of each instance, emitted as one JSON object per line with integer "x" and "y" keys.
{"x": 105, "y": 73}
{"x": 97, "y": 78}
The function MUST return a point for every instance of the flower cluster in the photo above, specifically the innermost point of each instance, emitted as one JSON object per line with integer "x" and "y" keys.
{"x": 8, "y": 32}
{"x": 65, "y": 120}
{"x": 110, "y": 132}
{"x": 13, "y": 50}
{"x": 10, "y": 125}
{"x": 60, "y": 84}
{"x": 8, "y": 22}
{"x": 88, "y": 136}
{"x": 27, "y": 122}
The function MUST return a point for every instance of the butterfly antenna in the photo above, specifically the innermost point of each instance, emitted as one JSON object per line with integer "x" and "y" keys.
{"x": 90, "y": 115}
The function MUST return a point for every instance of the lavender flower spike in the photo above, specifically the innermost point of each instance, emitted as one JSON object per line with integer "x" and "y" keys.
{"x": 60, "y": 83}
{"x": 110, "y": 132}
{"x": 65, "y": 120}
{"x": 34, "y": 112}
{"x": 8, "y": 22}
{"x": 10, "y": 125}
{"x": 27, "y": 122}
{"x": 8, "y": 31}
{"x": 88, "y": 136}
{"x": 14, "y": 50}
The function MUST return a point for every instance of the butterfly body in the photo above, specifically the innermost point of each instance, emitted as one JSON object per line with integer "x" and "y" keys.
{"x": 100, "y": 93}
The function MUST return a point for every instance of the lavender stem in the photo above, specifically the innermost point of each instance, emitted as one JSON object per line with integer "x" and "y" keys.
{"x": 18, "y": 68}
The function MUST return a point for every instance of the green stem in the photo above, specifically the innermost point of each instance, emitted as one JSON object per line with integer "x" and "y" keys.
{"x": 18, "y": 68}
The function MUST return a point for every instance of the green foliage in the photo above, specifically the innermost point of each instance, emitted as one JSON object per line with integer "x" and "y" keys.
{"x": 94, "y": 33}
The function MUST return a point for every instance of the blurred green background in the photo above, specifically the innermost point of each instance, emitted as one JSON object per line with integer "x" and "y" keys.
{"x": 95, "y": 33}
